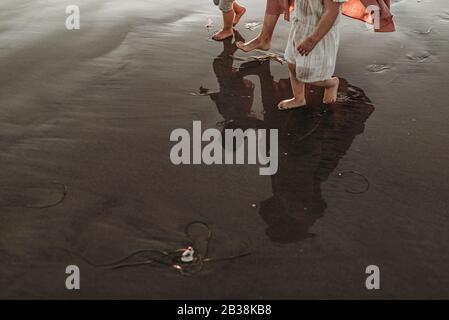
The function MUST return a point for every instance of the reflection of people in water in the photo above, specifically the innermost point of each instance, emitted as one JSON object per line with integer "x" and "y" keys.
{"x": 310, "y": 148}
{"x": 311, "y": 143}
{"x": 236, "y": 95}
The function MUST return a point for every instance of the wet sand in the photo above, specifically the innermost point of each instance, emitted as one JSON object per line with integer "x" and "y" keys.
{"x": 93, "y": 109}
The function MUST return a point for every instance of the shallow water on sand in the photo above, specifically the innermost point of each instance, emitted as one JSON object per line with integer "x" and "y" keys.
{"x": 93, "y": 109}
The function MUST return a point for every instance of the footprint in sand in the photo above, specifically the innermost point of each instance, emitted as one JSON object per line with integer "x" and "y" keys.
{"x": 427, "y": 32}
{"x": 378, "y": 68}
{"x": 444, "y": 16}
{"x": 422, "y": 56}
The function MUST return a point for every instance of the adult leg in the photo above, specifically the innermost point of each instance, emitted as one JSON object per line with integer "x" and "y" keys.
{"x": 263, "y": 40}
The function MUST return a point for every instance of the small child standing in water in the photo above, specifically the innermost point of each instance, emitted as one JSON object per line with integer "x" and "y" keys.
{"x": 232, "y": 13}
{"x": 312, "y": 50}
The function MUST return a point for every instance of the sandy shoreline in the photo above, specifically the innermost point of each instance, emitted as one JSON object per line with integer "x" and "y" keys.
{"x": 94, "y": 110}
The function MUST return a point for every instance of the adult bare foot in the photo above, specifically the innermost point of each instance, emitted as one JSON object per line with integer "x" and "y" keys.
{"x": 291, "y": 104}
{"x": 257, "y": 43}
{"x": 331, "y": 92}
{"x": 239, "y": 13}
{"x": 223, "y": 35}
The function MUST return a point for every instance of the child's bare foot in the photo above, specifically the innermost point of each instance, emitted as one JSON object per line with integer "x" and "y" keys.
{"x": 331, "y": 92}
{"x": 257, "y": 43}
{"x": 291, "y": 104}
{"x": 223, "y": 35}
{"x": 239, "y": 13}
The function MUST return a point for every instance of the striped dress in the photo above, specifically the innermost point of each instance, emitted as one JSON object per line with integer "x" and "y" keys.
{"x": 320, "y": 64}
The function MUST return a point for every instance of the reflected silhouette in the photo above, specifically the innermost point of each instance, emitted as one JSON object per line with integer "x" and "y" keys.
{"x": 236, "y": 94}
{"x": 312, "y": 140}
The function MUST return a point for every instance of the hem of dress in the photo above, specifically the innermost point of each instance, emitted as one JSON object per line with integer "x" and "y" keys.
{"x": 289, "y": 61}
{"x": 308, "y": 81}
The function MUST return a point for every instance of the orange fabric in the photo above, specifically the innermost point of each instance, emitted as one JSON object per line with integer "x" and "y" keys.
{"x": 278, "y": 7}
{"x": 357, "y": 9}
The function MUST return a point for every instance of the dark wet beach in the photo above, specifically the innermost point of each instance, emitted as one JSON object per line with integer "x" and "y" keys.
{"x": 94, "y": 109}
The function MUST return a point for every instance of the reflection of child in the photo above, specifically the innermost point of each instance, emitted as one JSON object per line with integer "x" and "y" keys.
{"x": 232, "y": 13}
{"x": 235, "y": 98}
{"x": 312, "y": 50}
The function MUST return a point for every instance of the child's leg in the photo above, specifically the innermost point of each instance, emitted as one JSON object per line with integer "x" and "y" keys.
{"x": 299, "y": 92}
{"x": 227, "y": 6}
{"x": 239, "y": 12}
{"x": 331, "y": 89}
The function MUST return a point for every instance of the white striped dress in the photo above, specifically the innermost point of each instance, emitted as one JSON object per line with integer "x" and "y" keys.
{"x": 320, "y": 64}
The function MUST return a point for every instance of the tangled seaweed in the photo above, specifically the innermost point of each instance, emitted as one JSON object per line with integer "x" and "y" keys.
{"x": 368, "y": 185}
{"x": 173, "y": 259}
{"x": 253, "y": 25}
{"x": 265, "y": 56}
{"x": 63, "y": 196}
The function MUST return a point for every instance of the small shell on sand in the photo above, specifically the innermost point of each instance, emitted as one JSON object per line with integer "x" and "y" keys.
{"x": 253, "y": 25}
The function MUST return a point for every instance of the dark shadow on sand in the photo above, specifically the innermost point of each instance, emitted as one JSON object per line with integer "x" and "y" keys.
{"x": 312, "y": 140}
